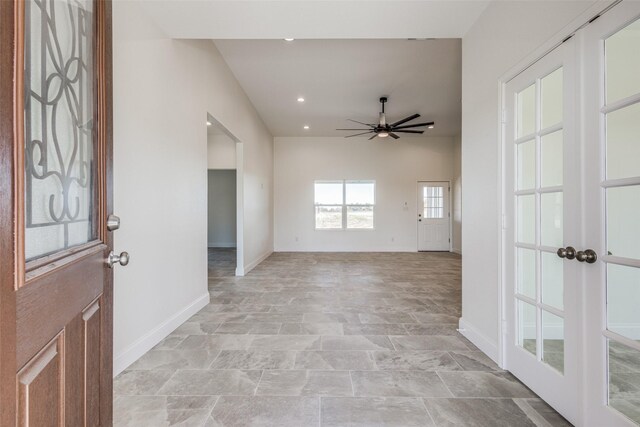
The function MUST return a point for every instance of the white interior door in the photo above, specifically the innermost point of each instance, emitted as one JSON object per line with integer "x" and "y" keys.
{"x": 434, "y": 216}
{"x": 612, "y": 213}
{"x": 541, "y": 205}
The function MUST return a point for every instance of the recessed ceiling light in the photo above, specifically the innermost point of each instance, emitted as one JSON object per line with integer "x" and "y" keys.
{"x": 306, "y": 126}
{"x": 301, "y": 99}
{"x": 289, "y": 40}
{"x": 208, "y": 123}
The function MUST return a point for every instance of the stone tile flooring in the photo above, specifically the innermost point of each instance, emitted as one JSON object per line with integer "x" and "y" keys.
{"x": 331, "y": 339}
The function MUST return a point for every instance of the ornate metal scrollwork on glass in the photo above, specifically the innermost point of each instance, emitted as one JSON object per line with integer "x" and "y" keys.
{"x": 59, "y": 125}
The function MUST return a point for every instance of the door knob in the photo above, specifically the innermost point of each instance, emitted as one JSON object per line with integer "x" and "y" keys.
{"x": 569, "y": 252}
{"x": 113, "y": 258}
{"x": 589, "y": 256}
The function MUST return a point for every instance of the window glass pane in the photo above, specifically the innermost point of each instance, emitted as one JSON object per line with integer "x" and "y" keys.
{"x": 527, "y": 165}
{"x": 328, "y": 217}
{"x": 527, "y": 326}
{"x": 359, "y": 216}
{"x": 360, "y": 193}
{"x": 623, "y": 300}
{"x": 552, "y": 280}
{"x": 551, "y": 168}
{"x": 526, "y": 276}
{"x": 623, "y": 224}
{"x": 551, "y": 219}
{"x": 526, "y": 111}
{"x": 527, "y": 219}
{"x": 623, "y": 142}
{"x": 328, "y": 193}
{"x": 59, "y": 126}
{"x": 622, "y": 53}
{"x": 553, "y": 340}
{"x": 624, "y": 380}
{"x": 551, "y": 99}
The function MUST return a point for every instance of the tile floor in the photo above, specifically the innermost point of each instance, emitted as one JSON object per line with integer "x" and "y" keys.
{"x": 329, "y": 339}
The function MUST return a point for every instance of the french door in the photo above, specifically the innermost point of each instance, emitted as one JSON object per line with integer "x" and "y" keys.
{"x": 571, "y": 235}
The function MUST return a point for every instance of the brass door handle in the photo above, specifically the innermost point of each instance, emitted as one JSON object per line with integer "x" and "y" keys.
{"x": 589, "y": 256}
{"x": 569, "y": 252}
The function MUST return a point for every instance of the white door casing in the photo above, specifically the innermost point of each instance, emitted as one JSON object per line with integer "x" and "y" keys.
{"x": 434, "y": 216}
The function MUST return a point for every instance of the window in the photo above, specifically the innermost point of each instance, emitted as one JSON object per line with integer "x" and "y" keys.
{"x": 433, "y": 202}
{"x": 344, "y": 204}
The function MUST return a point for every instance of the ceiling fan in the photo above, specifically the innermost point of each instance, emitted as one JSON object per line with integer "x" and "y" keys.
{"x": 383, "y": 130}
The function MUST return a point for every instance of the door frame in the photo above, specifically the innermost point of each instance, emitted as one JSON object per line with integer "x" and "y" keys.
{"x": 450, "y": 206}
{"x": 12, "y": 268}
{"x": 582, "y": 20}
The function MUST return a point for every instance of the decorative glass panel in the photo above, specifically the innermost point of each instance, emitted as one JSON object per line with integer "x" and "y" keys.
{"x": 623, "y": 224}
{"x": 623, "y": 300}
{"x": 433, "y": 201}
{"x": 552, "y": 280}
{"x": 59, "y": 126}
{"x": 527, "y": 326}
{"x": 526, "y": 219}
{"x": 526, "y": 272}
{"x": 551, "y": 170}
{"x": 623, "y": 63}
{"x": 527, "y": 165}
{"x": 553, "y": 340}
{"x": 552, "y": 99}
{"x": 526, "y": 111}
{"x": 624, "y": 380}
{"x": 551, "y": 219}
{"x": 623, "y": 142}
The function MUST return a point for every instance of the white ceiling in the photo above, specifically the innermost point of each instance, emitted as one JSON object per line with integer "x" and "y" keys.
{"x": 343, "y": 79}
{"x": 314, "y": 19}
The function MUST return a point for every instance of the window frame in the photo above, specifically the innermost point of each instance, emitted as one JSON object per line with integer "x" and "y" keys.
{"x": 344, "y": 206}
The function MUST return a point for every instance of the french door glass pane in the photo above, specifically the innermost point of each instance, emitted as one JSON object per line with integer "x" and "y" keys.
{"x": 624, "y": 380}
{"x": 623, "y": 63}
{"x": 59, "y": 126}
{"x": 526, "y": 111}
{"x": 527, "y": 326}
{"x": 623, "y": 224}
{"x": 551, "y": 219}
{"x": 623, "y": 300}
{"x": 526, "y": 272}
{"x": 552, "y": 280}
{"x": 623, "y": 142}
{"x": 551, "y": 167}
{"x": 526, "y": 165}
{"x": 526, "y": 219}
{"x": 552, "y": 99}
{"x": 553, "y": 340}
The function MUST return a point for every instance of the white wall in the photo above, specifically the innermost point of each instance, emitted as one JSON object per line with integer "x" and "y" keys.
{"x": 395, "y": 166}
{"x": 221, "y": 209}
{"x": 503, "y": 35}
{"x": 221, "y": 151}
{"x": 163, "y": 90}
{"x": 456, "y": 195}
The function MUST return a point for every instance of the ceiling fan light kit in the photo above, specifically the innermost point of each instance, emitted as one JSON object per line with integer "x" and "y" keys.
{"x": 383, "y": 130}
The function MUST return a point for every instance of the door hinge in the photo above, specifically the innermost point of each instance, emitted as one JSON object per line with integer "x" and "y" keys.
{"x": 505, "y": 327}
{"x": 504, "y": 116}
{"x": 504, "y": 222}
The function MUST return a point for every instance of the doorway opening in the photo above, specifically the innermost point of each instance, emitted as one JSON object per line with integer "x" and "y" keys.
{"x": 224, "y": 219}
{"x": 434, "y": 216}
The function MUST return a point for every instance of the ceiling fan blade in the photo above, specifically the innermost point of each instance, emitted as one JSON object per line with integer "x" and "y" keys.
{"x": 413, "y": 126}
{"x": 393, "y": 135}
{"x": 355, "y": 129}
{"x": 408, "y": 131}
{"x": 373, "y": 137}
{"x": 366, "y": 124}
{"x": 358, "y": 134}
{"x": 405, "y": 120}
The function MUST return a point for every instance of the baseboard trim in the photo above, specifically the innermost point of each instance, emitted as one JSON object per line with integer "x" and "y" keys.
{"x": 479, "y": 340}
{"x": 253, "y": 264}
{"x": 457, "y": 251}
{"x": 136, "y": 350}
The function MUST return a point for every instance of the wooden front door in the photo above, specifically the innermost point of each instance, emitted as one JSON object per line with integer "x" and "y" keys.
{"x": 55, "y": 197}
